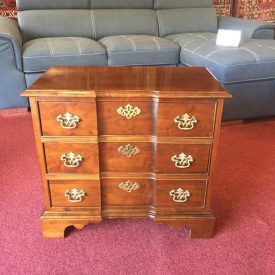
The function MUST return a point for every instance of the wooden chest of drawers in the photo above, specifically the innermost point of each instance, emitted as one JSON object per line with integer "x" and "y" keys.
{"x": 126, "y": 142}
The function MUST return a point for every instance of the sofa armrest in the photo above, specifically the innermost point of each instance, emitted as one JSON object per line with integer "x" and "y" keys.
{"x": 248, "y": 27}
{"x": 9, "y": 31}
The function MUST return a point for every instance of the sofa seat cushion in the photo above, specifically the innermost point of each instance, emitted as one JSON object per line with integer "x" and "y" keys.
{"x": 140, "y": 50}
{"x": 252, "y": 60}
{"x": 42, "y": 53}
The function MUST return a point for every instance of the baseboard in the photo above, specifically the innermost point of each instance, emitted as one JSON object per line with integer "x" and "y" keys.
{"x": 13, "y": 111}
{"x": 231, "y": 122}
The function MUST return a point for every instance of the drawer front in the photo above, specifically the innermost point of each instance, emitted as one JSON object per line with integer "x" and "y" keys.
{"x": 181, "y": 193}
{"x": 68, "y": 118}
{"x": 126, "y": 156}
{"x": 126, "y": 192}
{"x": 186, "y": 119}
{"x": 75, "y": 193}
{"x": 126, "y": 118}
{"x": 72, "y": 158}
{"x": 183, "y": 158}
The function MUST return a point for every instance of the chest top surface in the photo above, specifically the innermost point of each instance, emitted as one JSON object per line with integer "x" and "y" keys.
{"x": 127, "y": 81}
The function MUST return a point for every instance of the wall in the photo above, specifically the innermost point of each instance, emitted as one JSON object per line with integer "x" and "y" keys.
{"x": 255, "y": 9}
{"x": 7, "y": 8}
{"x": 224, "y": 7}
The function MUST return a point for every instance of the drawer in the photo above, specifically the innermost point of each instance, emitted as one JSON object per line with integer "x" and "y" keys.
{"x": 75, "y": 193}
{"x": 126, "y": 192}
{"x": 72, "y": 158}
{"x": 183, "y": 158}
{"x": 126, "y": 156}
{"x": 186, "y": 119}
{"x": 181, "y": 193}
{"x": 126, "y": 118}
{"x": 68, "y": 118}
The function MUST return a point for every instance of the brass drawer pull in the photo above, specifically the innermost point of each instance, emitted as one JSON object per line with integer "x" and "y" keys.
{"x": 74, "y": 195}
{"x": 180, "y": 195}
{"x": 185, "y": 122}
{"x": 129, "y": 186}
{"x": 128, "y": 150}
{"x": 68, "y": 121}
{"x": 128, "y": 111}
{"x": 182, "y": 160}
{"x": 71, "y": 159}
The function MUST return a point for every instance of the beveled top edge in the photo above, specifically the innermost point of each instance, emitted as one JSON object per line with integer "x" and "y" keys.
{"x": 58, "y": 93}
{"x": 131, "y": 81}
{"x": 126, "y": 94}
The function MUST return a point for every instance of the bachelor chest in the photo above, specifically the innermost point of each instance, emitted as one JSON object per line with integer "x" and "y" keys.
{"x": 127, "y": 142}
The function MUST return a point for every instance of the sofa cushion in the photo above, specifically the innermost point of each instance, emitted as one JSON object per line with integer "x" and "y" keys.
{"x": 175, "y": 4}
{"x": 253, "y": 60}
{"x": 40, "y": 54}
{"x": 177, "y": 21}
{"x": 140, "y": 50}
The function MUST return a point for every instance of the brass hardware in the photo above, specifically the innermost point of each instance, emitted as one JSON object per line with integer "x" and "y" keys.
{"x": 74, "y": 195}
{"x": 129, "y": 186}
{"x": 180, "y": 195}
{"x": 128, "y": 111}
{"x": 71, "y": 159}
{"x": 182, "y": 160}
{"x": 186, "y": 122}
{"x": 68, "y": 121}
{"x": 128, "y": 150}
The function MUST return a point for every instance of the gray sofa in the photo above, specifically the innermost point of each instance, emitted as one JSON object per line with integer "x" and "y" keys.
{"x": 138, "y": 32}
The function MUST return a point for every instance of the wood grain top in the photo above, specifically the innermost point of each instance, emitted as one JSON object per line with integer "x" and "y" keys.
{"x": 127, "y": 82}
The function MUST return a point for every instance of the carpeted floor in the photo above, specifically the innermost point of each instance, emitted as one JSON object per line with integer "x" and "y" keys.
{"x": 243, "y": 202}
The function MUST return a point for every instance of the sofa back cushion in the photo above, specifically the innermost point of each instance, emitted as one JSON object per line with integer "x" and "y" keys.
{"x": 175, "y": 4}
{"x": 83, "y": 4}
{"x": 122, "y": 4}
{"x": 183, "y": 20}
{"x": 124, "y": 22}
{"x": 52, "y": 4}
{"x": 99, "y": 18}
{"x": 53, "y": 23}
{"x": 93, "y": 24}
